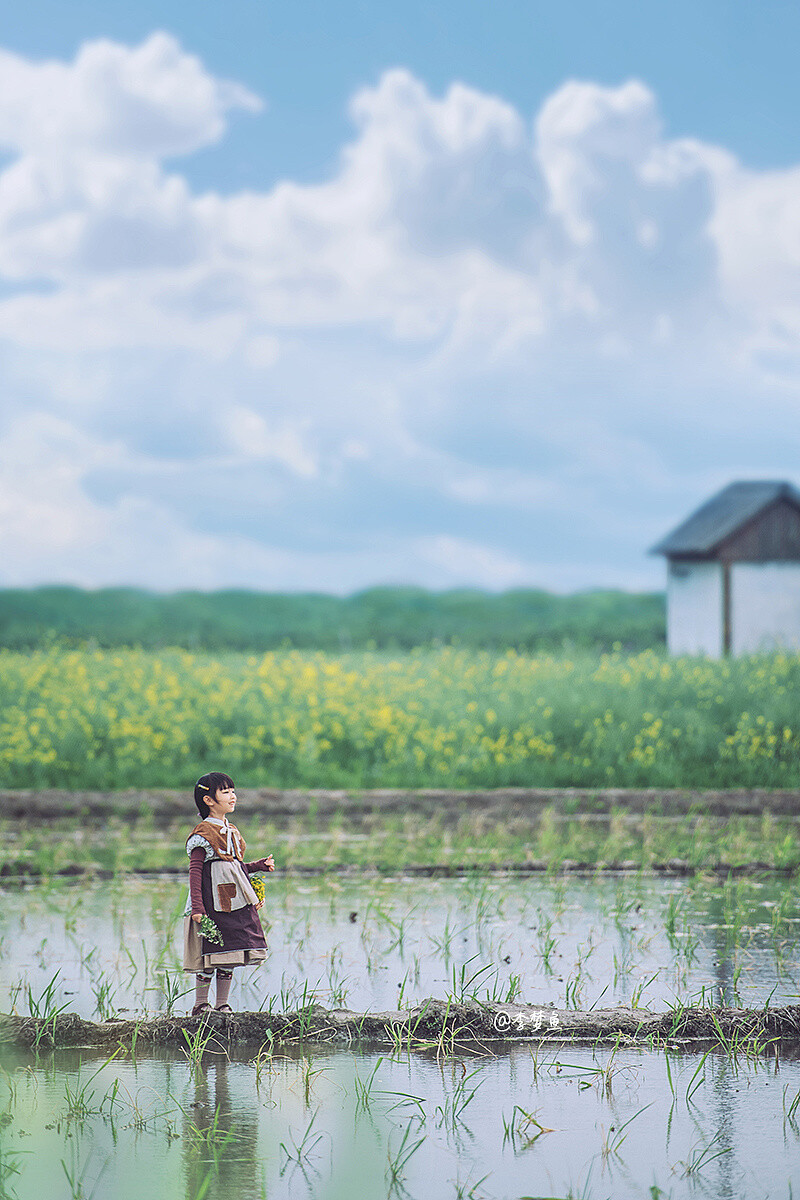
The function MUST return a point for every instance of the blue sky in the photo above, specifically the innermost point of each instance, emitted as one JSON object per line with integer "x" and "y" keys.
{"x": 316, "y": 296}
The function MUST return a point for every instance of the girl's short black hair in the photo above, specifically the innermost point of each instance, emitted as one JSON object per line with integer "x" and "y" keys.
{"x": 209, "y": 785}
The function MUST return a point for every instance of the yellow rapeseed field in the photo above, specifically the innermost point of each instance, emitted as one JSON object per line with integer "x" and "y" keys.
{"x": 429, "y": 718}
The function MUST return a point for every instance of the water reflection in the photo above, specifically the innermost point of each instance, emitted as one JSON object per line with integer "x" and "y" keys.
{"x": 332, "y": 1124}
{"x": 220, "y": 1142}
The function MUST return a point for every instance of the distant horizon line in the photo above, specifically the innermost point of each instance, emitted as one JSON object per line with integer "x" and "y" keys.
{"x": 376, "y": 587}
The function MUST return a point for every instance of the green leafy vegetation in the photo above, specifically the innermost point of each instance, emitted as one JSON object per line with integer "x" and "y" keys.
{"x": 438, "y": 718}
{"x": 396, "y": 618}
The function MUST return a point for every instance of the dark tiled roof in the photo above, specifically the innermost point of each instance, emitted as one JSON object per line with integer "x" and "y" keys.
{"x": 723, "y": 514}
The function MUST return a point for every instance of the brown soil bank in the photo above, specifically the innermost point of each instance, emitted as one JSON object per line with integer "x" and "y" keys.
{"x": 501, "y": 804}
{"x": 433, "y": 1025}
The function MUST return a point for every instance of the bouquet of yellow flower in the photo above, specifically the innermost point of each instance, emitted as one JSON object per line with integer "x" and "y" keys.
{"x": 257, "y": 882}
{"x": 210, "y": 931}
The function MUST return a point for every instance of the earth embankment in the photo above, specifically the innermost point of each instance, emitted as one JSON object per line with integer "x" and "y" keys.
{"x": 431, "y": 1025}
{"x": 447, "y": 806}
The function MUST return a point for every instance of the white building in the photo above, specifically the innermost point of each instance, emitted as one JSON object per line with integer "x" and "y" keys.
{"x": 733, "y": 573}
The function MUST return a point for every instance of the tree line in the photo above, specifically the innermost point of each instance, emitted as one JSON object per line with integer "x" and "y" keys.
{"x": 383, "y": 618}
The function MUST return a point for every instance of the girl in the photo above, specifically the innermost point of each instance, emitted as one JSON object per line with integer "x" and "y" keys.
{"x": 220, "y": 888}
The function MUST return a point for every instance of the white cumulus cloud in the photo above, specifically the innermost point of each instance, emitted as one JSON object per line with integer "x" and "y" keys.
{"x": 149, "y": 101}
{"x": 492, "y": 346}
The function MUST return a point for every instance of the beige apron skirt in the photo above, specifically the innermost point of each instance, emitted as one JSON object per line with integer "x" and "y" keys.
{"x": 231, "y": 891}
{"x": 195, "y": 960}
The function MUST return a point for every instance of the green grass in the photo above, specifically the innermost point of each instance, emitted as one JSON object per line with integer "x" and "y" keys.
{"x": 392, "y": 843}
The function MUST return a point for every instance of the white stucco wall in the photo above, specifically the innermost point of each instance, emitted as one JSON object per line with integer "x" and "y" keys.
{"x": 765, "y": 607}
{"x": 694, "y": 608}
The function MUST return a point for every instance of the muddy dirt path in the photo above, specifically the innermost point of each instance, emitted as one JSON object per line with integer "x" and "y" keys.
{"x": 448, "y": 806}
{"x": 432, "y": 1025}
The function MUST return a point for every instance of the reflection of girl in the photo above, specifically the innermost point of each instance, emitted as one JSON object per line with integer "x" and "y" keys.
{"x": 220, "y": 888}
{"x": 223, "y": 1128}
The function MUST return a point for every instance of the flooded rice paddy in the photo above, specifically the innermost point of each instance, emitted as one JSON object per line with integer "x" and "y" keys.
{"x": 304, "y": 1121}
{"x": 370, "y": 942}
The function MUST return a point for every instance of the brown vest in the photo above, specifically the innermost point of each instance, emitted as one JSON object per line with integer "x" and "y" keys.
{"x": 217, "y": 838}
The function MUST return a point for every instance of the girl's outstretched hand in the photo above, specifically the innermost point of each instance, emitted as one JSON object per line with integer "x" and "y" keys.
{"x": 269, "y": 863}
